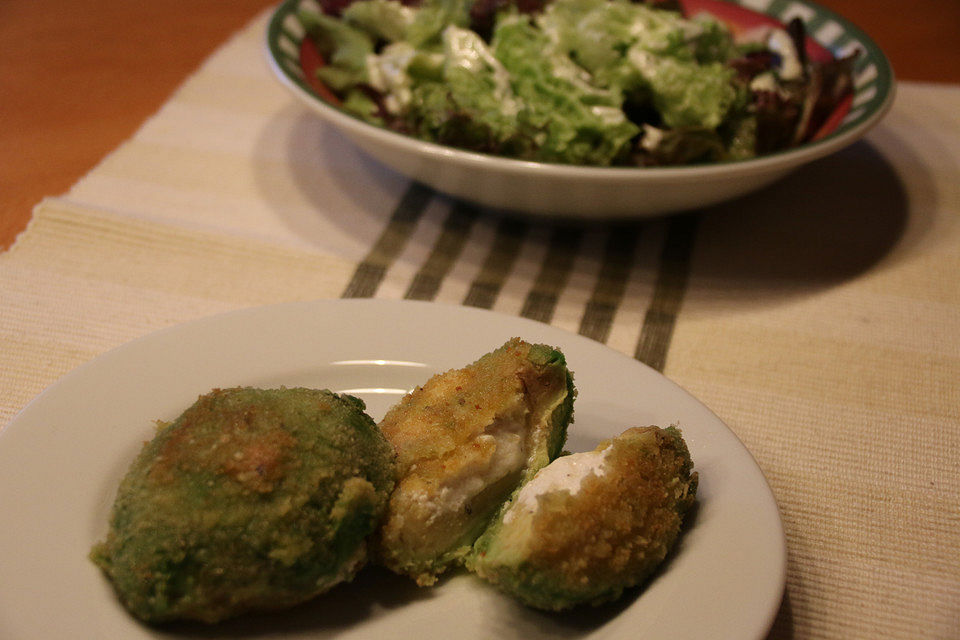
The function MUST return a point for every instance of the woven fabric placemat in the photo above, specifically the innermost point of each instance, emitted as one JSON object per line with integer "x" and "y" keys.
{"x": 818, "y": 318}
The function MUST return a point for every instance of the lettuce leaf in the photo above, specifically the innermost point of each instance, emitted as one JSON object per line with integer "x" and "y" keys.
{"x": 571, "y": 120}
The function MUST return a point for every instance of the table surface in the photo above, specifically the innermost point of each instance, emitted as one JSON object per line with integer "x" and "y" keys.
{"x": 76, "y": 82}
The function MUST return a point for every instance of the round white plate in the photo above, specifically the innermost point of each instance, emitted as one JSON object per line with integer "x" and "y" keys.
{"x": 63, "y": 456}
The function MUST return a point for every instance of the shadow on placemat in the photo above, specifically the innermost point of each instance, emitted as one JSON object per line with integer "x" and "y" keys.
{"x": 783, "y": 624}
{"x": 829, "y": 222}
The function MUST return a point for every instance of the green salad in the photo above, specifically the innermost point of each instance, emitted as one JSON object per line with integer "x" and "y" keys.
{"x": 584, "y": 82}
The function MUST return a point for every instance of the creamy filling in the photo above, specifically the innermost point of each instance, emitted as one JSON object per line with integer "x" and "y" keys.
{"x": 509, "y": 456}
{"x": 563, "y": 474}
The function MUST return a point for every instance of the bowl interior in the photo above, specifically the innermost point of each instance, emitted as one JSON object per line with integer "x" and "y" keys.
{"x": 828, "y": 36}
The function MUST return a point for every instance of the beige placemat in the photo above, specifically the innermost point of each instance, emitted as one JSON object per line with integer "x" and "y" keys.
{"x": 818, "y": 318}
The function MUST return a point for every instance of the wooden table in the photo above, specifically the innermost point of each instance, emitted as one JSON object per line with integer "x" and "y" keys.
{"x": 78, "y": 78}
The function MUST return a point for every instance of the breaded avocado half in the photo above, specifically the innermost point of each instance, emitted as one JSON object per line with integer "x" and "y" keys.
{"x": 252, "y": 499}
{"x": 591, "y": 524}
{"x": 465, "y": 440}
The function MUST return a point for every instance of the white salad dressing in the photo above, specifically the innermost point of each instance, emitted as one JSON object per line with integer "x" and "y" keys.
{"x": 566, "y": 69}
{"x": 655, "y": 30}
{"x": 764, "y": 82}
{"x": 781, "y": 43}
{"x": 465, "y": 48}
{"x": 652, "y": 137}
{"x": 644, "y": 61}
{"x": 387, "y": 73}
{"x": 608, "y": 115}
{"x": 505, "y": 439}
{"x": 563, "y": 474}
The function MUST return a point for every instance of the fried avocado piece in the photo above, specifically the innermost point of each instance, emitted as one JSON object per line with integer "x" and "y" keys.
{"x": 465, "y": 440}
{"x": 253, "y": 499}
{"x": 591, "y": 524}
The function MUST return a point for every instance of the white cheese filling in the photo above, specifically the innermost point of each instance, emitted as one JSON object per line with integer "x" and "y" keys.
{"x": 508, "y": 457}
{"x": 563, "y": 474}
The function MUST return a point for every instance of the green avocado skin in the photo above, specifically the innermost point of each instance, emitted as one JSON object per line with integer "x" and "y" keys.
{"x": 548, "y": 359}
{"x": 252, "y": 499}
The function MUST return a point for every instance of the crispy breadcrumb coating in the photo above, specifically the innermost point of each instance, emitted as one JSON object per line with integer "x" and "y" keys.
{"x": 252, "y": 499}
{"x": 556, "y": 545}
{"x": 465, "y": 440}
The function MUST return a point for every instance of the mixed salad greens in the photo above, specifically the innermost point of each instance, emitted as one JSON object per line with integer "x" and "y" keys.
{"x": 586, "y": 82}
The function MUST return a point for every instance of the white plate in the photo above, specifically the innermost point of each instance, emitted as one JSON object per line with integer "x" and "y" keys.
{"x": 63, "y": 456}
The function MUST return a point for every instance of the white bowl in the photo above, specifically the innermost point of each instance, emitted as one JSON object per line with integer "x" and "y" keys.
{"x": 568, "y": 191}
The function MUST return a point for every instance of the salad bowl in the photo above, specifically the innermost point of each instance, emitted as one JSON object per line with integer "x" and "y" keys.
{"x": 603, "y": 192}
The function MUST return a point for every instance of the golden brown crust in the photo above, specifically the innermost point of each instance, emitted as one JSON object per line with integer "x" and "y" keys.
{"x": 610, "y": 534}
{"x": 618, "y": 523}
{"x": 252, "y": 499}
{"x": 464, "y": 440}
{"x": 451, "y": 409}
